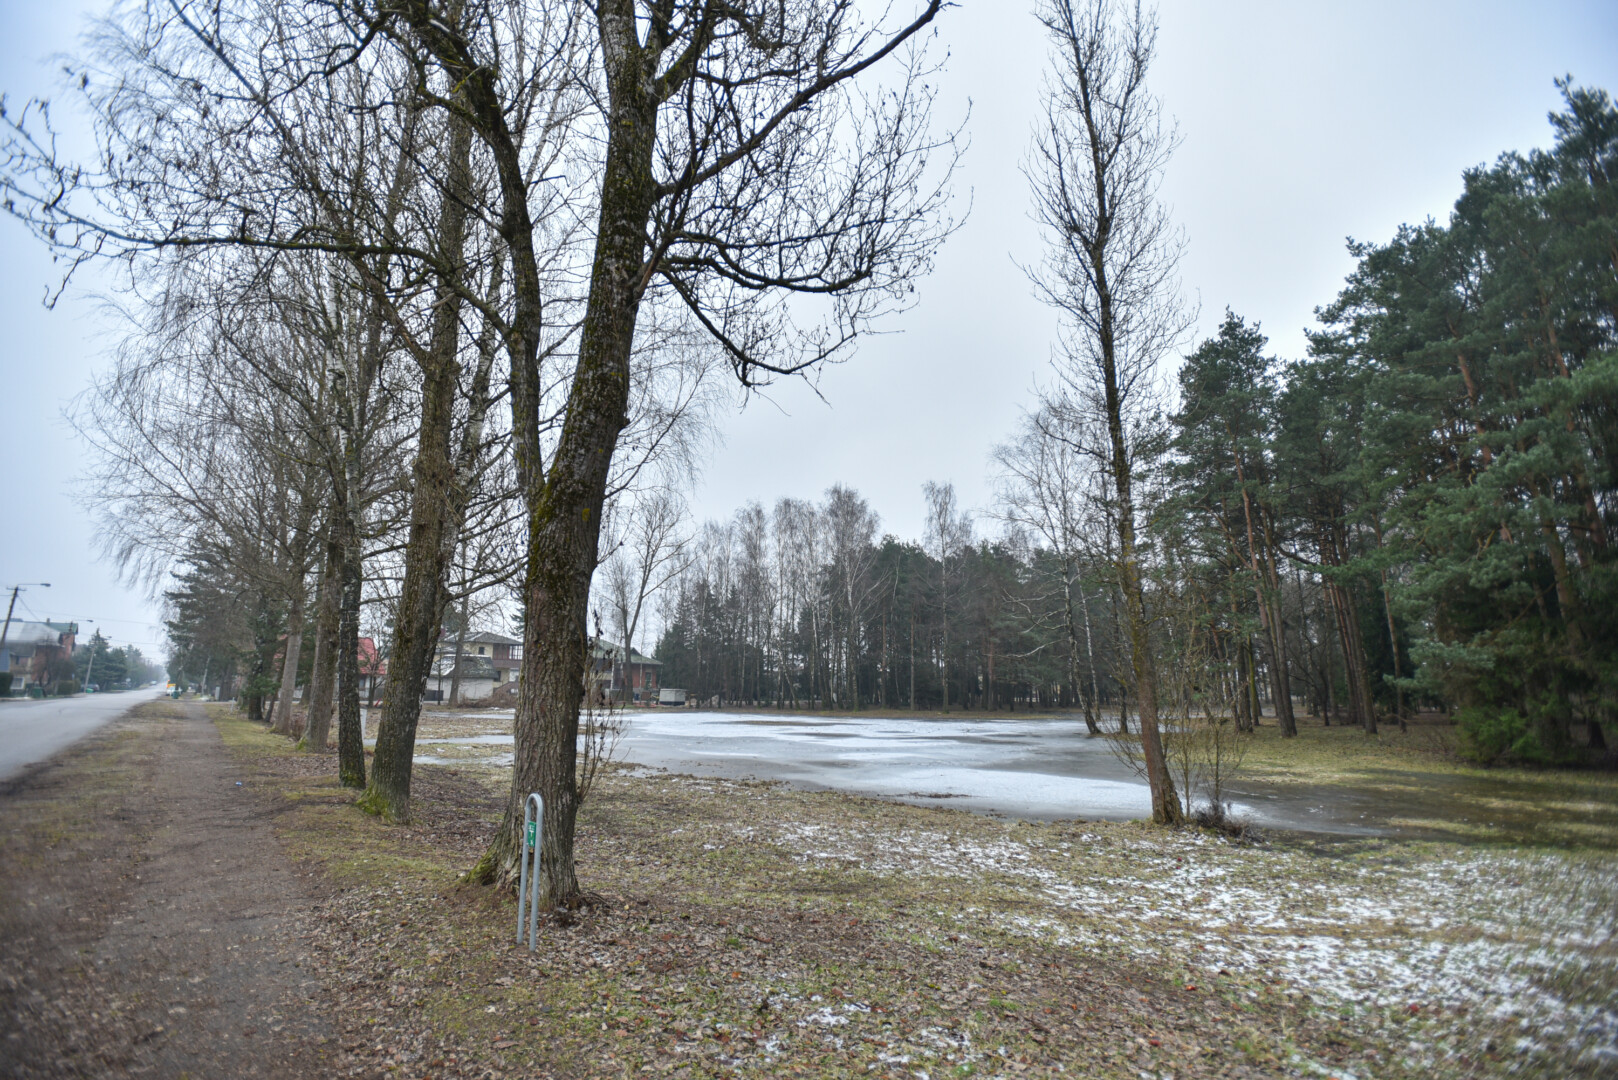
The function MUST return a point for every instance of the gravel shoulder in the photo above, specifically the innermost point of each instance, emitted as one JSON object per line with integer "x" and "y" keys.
{"x": 151, "y": 922}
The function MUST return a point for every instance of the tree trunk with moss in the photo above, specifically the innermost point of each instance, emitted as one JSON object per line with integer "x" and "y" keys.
{"x": 564, "y": 511}
{"x": 291, "y": 653}
{"x": 427, "y": 552}
{"x": 1166, "y": 808}
{"x": 350, "y": 729}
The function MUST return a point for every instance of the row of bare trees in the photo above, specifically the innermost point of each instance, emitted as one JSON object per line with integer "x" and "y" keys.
{"x": 347, "y": 231}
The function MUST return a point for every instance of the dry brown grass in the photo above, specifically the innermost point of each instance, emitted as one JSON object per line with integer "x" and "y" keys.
{"x": 749, "y": 928}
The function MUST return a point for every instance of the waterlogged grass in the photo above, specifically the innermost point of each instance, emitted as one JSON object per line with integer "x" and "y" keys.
{"x": 749, "y": 929}
{"x": 453, "y": 724}
{"x": 1434, "y": 793}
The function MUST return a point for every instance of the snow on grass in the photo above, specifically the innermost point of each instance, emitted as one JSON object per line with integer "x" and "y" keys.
{"x": 1523, "y": 939}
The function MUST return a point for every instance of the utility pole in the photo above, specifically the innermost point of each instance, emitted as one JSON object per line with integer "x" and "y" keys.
{"x": 4, "y": 630}
{"x": 89, "y": 669}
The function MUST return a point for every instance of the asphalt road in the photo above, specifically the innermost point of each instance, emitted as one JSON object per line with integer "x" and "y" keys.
{"x": 31, "y": 731}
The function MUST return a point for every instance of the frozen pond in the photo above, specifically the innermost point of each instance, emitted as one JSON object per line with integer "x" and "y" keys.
{"x": 1026, "y": 768}
{"x": 1036, "y": 768}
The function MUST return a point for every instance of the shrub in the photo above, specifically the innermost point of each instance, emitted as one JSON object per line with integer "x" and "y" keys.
{"x": 5, "y": 684}
{"x": 1217, "y": 816}
{"x": 65, "y": 688}
{"x": 1490, "y": 735}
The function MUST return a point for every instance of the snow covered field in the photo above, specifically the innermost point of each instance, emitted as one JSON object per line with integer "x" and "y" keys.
{"x": 1448, "y": 935}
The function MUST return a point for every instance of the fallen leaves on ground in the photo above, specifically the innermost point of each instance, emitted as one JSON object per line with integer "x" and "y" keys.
{"x": 747, "y": 928}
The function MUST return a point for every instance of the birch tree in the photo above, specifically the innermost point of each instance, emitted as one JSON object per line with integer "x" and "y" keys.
{"x": 1045, "y": 478}
{"x": 948, "y": 530}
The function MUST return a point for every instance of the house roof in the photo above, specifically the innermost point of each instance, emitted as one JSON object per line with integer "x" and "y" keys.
{"x": 485, "y": 637}
{"x": 601, "y": 647}
{"x": 369, "y": 663}
{"x": 446, "y": 645}
{"x": 28, "y": 632}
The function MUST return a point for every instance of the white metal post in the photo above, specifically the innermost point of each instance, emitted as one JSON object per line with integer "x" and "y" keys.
{"x": 533, "y": 831}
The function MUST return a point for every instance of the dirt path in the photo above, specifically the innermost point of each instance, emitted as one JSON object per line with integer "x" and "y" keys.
{"x": 149, "y": 922}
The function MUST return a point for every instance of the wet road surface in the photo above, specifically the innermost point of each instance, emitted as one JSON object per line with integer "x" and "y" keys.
{"x": 31, "y": 731}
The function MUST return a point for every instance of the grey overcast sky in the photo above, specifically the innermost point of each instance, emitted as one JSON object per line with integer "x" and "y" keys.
{"x": 1303, "y": 124}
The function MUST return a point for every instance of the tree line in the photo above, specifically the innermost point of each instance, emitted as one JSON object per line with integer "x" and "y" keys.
{"x": 807, "y": 606}
{"x": 100, "y": 663}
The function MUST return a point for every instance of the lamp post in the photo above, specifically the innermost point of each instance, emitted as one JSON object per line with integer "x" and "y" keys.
{"x": 4, "y": 630}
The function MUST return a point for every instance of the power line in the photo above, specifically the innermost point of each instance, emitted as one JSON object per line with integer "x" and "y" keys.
{"x": 132, "y": 622}
{"x": 87, "y": 621}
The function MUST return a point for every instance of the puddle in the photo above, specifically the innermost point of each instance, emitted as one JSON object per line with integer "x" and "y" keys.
{"x": 1043, "y": 769}
{"x": 472, "y": 740}
{"x": 488, "y": 714}
{"x": 499, "y": 761}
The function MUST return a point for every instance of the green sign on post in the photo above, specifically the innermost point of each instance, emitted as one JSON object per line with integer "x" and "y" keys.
{"x": 533, "y": 833}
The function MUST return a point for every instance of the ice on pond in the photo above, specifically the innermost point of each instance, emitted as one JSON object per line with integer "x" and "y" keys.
{"x": 1035, "y": 768}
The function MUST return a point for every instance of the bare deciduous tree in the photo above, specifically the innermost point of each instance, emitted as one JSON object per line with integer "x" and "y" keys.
{"x": 737, "y": 164}
{"x": 647, "y": 551}
{"x": 1045, "y": 486}
{"x": 1098, "y": 160}
{"x": 948, "y": 530}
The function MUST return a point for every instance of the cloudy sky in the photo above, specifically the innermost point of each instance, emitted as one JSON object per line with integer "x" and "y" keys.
{"x": 1303, "y": 124}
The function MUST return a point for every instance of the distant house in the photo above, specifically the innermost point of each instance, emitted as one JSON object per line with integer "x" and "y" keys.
{"x": 615, "y": 674}
{"x": 38, "y": 653}
{"x": 622, "y": 674}
{"x": 373, "y": 672}
{"x": 486, "y": 661}
{"x": 505, "y": 654}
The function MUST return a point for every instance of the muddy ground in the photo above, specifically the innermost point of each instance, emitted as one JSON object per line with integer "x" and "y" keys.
{"x": 748, "y": 929}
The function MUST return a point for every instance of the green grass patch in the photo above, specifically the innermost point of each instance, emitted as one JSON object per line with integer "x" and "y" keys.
{"x": 1437, "y": 792}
